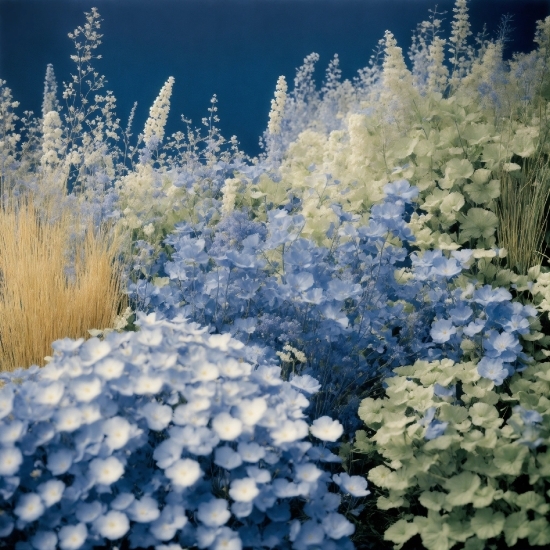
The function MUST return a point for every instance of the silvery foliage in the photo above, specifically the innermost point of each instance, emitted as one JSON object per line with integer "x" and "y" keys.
{"x": 165, "y": 434}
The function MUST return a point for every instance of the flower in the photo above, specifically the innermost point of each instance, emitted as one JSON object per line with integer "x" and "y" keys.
{"x": 493, "y": 369}
{"x": 144, "y": 510}
{"x": 112, "y": 525}
{"x": 51, "y": 394}
{"x": 326, "y": 429}
{"x": 51, "y": 491}
{"x": 72, "y": 537}
{"x": 243, "y": 490}
{"x": 214, "y": 513}
{"x": 354, "y": 485}
{"x": 227, "y": 458}
{"x": 157, "y": 416}
{"x": 184, "y": 472}
{"x": 93, "y": 350}
{"x": 337, "y": 526}
{"x": 226, "y": 427}
{"x": 68, "y": 419}
{"x": 106, "y": 471}
{"x": 109, "y": 368}
{"x": 251, "y": 411}
{"x": 10, "y": 461}
{"x": 60, "y": 461}
{"x": 442, "y": 331}
{"x": 29, "y": 507}
{"x": 44, "y": 540}
{"x": 86, "y": 388}
{"x": 145, "y": 385}
{"x": 251, "y": 452}
{"x": 117, "y": 430}
{"x": 289, "y": 431}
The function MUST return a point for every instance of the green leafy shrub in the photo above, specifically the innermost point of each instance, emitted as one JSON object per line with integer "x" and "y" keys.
{"x": 483, "y": 478}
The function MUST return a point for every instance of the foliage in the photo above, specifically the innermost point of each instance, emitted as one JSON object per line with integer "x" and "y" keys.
{"x": 465, "y": 458}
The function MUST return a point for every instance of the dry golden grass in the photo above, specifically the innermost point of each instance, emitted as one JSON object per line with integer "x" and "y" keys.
{"x": 521, "y": 210}
{"x": 39, "y": 303}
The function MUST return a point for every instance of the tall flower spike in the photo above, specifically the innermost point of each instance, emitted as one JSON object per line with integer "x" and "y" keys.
{"x": 437, "y": 71}
{"x": 460, "y": 31}
{"x": 277, "y": 107}
{"x": 50, "y": 102}
{"x": 396, "y": 77}
{"x": 158, "y": 114}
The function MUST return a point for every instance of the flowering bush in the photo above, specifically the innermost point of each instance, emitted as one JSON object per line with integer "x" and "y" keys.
{"x": 167, "y": 432}
{"x": 275, "y": 299}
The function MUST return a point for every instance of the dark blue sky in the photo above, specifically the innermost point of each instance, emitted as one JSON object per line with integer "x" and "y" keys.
{"x": 234, "y": 48}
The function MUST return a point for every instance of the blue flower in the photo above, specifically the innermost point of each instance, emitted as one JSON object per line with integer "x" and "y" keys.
{"x": 504, "y": 345}
{"x": 442, "y": 331}
{"x": 493, "y": 369}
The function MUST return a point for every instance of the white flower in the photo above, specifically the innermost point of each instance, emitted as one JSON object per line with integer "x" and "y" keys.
{"x": 51, "y": 491}
{"x": 308, "y": 473}
{"x": 90, "y": 413}
{"x": 60, "y": 461}
{"x": 68, "y": 419}
{"x": 157, "y": 416}
{"x": 112, "y": 525}
{"x": 50, "y": 395}
{"x": 354, "y": 485}
{"x": 106, "y": 471}
{"x": 226, "y": 457}
{"x": 289, "y": 431}
{"x": 206, "y": 372}
{"x": 146, "y": 385}
{"x": 326, "y": 429}
{"x": 86, "y": 388}
{"x": 184, "y": 472}
{"x": 109, "y": 368}
{"x": 149, "y": 229}
{"x": 44, "y": 540}
{"x": 144, "y": 510}
{"x": 277, "y": 107}
{"x": 227, "y": 427}
{"x": 93, "y": 350}
{"x": 10, "y": 433}
{"x": 227, "y": 539}
{"x": 250, "y": 411}
{"x": 29, "y": 507}
{"x": 149, "y": 337}
{"x": 158, "y": 114}
{"x": 243, "y": 490}
{"x": 251, "y": 452}
{"x": 118, "y": 431}
{"x": 214, "y": 513}
{"x": 72, "y": 537}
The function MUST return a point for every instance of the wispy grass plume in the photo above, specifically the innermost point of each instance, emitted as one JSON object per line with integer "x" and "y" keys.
{"x": 51, "y": 285}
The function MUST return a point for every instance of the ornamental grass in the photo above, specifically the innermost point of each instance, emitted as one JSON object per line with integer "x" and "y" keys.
{"x": 49, "y": 292}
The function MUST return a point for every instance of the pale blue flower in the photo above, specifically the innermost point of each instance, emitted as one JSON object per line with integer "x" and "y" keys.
{"x": 214, "y": 513}
{"x": 227, "y": 458}
{"x": 493, "y": 369}
{"x": 44, "y": 540}
{"x": 354, "y": 485}
{"x": 250, "y": 452}
{"x": 10, "y": 460}
{"x": 51, "y": 491}
{"x": 144, "y": 510}
{"x": 59, "y": 461}
{"x": 72, "y": 537}
{"x": 113, "y": 525}
{"x": 29, "y": 507}
{"x": 337, "y": 526}
{"x": 442, "y": 331}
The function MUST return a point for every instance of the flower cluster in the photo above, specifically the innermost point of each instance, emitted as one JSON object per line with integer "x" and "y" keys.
{"x": 166, "y": 434}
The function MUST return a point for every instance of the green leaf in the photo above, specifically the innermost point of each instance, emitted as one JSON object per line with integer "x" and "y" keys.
{"x": 539, "y": 532}
{"x": 432, "y": 500}
{"x": 458, "y": 168}
{"x": 401, "y": 531}
{"x": 484, "y": 415}
{"x": 516, "y": 527}
{"x": 477, "y": 223}
{"x": 462, "y": 488}
{"x": 482, "y": 193}
{"x": 487, "y": 524}
{"x": 509, "y": 458}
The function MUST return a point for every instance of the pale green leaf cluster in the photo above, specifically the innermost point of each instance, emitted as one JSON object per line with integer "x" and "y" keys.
{"x": 461, "y": 487}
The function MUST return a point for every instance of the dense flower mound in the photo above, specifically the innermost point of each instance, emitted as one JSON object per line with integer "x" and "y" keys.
{"x": 343, "y": 314}
{"x": 162, "y": 435}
